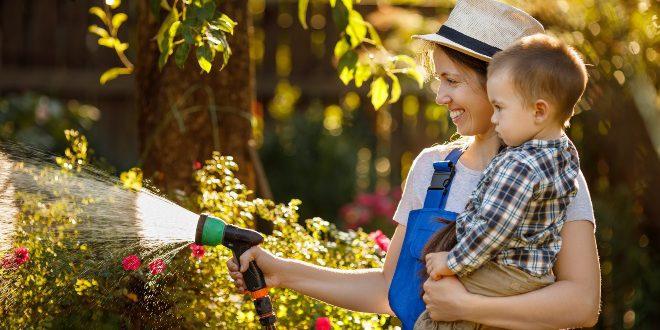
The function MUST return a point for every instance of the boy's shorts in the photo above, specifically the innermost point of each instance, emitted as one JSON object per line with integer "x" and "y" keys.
{"x": 493, "y": 280}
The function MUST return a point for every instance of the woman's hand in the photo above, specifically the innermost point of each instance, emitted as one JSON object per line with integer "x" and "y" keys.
{"x": 446, "y": 299}
{"x": 269, "y": 264}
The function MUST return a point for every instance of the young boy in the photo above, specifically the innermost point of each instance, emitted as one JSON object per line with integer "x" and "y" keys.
{"x": 508, "y": 236}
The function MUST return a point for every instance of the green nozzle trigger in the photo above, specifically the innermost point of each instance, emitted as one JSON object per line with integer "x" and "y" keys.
{"x": 210, "y": 230}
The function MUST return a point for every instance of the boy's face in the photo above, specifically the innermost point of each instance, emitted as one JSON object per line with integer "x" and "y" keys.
{"x": 513, "y": 119}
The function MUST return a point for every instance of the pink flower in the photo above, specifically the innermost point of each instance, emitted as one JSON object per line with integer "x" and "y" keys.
{"x": 366, "y": 199}
{"x": 381, "y": 240}
{"x": 131, "y": 262}
{"x": 20, "y": 256}
{"x": 197, "y": 165}
{"x": 157, "y": 266}
{"x": 197, "y": 250}
{"x": 323, "y": 323}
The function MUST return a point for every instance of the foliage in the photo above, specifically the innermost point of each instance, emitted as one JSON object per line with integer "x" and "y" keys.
{"x": 192, "y": 291}
{"x": 195, "y": 24}
{"x": 361, "y": 56}
{"x": 189, "y": 25}
{"x": 39, "y": 120}
{"x": 109, "y": 37}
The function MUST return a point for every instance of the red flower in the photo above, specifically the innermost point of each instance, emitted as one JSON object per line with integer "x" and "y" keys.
{"x": 131, "y": 262}
{"x": 157, "y": 266}
{"x": 197, "y": 250}
{"x": 197, "y": 165}
{"x": 381, "y": 240}
{"x": 20, "y": 256}
{"x": 323, "y": 323}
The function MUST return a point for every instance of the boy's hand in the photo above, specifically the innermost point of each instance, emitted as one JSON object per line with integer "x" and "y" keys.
{"x": 436, "y": 265}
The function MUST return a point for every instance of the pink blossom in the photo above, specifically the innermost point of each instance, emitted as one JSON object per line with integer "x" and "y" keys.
{"x": 157, "y": 266}
{"x": 19, "y": 256}
{"x": 355, "y": 215}
{"x": 366, "y": 199}
{"x": 381, "y": 240}
{"x": 323, "y": 323}
{"x": 197, "y": 250}
{"x": 131, "y": 262}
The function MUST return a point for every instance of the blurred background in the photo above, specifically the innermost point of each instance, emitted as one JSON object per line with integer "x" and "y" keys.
{"x": 313, "y": 138}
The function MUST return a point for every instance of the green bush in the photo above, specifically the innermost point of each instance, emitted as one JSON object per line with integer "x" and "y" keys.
{"x": 58, "y": 288}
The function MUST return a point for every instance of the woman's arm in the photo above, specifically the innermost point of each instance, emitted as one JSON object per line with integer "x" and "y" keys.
{"x": 362, "y": 290}
{"x": 572, "y": 301}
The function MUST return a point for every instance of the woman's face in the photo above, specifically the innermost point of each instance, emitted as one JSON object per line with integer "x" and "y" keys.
{"x": 463, "y": 95}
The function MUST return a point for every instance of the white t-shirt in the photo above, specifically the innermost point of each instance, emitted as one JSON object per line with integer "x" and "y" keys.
{"x": 464, "y": 183}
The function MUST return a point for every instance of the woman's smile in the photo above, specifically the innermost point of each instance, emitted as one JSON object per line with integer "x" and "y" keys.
{"x": 456, "y": 115}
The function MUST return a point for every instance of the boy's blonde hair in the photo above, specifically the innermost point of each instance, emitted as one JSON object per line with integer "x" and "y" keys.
{"x": 543, "y": 67}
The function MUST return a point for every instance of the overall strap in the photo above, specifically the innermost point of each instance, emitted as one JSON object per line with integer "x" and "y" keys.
{"x": 443, "y": 175}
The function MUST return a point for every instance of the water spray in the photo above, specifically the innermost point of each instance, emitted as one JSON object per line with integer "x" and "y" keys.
{"x": 213, "y": 231}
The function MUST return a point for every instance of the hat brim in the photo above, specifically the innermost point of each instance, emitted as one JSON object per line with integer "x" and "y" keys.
{"x": 438, "y": 39}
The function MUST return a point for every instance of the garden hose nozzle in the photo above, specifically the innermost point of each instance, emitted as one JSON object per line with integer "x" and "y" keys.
{"x": 213, "y": 231}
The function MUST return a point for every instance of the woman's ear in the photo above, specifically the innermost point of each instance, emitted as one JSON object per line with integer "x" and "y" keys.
{"x": 541, "y": 111}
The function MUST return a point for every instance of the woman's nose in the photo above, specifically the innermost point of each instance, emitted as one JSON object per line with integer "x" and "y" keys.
{"x": 442, "y": 98}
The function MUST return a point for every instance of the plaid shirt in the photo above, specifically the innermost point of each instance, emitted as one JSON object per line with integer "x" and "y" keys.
{"x": 515, "y": 214}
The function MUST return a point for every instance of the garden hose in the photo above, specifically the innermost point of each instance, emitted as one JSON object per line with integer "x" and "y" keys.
{"x": 213, "y": 231}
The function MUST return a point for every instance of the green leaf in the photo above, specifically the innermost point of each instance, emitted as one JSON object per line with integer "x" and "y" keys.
{"x": 341, "y": 47}
{"x": 374, "y": 34}
{"x": 346, "y": 75}
{"x": 165, "y": 27}
{"x": 356, "y": 29}
{"x": 225, "y": 57}
{"x": 362, "y": 73}
{"x": 395, "y": 92}
{"x": 346, "y": 66}
{"x": 100, "y": 13}
{"x": 204, "y": 57}
{"x": 187, "y": 33}
{"x": 165, "y": 5}
{"x": 416, "y": 75}
{"x": 117, "y": 20}
{"x": 302, "y": 12}
{"x": 202, "y": 9}
{"x": 340, "y": 16}
{"x": 181, "y": 54}
{"x": 107, "y": 42}
{"x": 349, "y": 59}
{"x": 406, "y": 60}
{"x": 348, "y": 4}
{"x": 214, "y": 38}
{"x": 99, "y": 31}
{"x": 225, "y": 23}
{"x": 113, "y": 73}
{"x": 378, "y": 92}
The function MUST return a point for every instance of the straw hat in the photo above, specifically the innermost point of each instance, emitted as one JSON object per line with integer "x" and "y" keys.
{"x": 481, "y": 28}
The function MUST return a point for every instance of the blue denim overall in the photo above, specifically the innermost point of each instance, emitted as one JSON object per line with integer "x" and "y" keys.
{"x": 406, "y": 287}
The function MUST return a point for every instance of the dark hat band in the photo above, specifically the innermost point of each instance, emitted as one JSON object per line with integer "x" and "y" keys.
{"x": 467, "y": 41}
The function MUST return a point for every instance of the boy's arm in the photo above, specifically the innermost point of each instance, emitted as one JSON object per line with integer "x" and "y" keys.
{"x": 503, "y": 208}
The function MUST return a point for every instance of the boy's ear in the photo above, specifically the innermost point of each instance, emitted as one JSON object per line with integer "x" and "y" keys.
{"x": 541, "y": 111}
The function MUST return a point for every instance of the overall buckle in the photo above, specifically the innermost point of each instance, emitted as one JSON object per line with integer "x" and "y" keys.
{"x": 441, "y": 179}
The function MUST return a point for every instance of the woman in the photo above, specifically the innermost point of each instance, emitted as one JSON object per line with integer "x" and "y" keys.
{"x": 460, "y": 53}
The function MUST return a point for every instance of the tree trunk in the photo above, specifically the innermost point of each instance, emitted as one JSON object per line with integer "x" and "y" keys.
{"x": 185, "y": 114}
